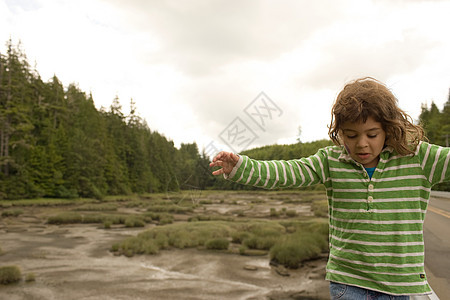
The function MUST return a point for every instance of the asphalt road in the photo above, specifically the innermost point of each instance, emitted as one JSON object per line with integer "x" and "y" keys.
{"x": 437, "y": 243}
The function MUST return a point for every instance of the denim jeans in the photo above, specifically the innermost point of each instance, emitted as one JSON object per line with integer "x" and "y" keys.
{"x": 348, "y": 292}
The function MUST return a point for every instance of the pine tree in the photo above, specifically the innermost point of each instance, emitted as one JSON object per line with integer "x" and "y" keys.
{"x": 15, "y": 124}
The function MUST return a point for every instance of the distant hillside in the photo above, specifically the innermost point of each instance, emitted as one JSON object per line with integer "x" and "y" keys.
{"x": 286, "y": 152}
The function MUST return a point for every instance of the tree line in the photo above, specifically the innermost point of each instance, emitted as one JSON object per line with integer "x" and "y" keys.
{"x": 55, "y": 143}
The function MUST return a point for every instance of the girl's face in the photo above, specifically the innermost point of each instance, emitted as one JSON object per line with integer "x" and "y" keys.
{"x": 364, "y": 141}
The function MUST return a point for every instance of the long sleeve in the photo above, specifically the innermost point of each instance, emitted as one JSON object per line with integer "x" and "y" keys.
{"x": 434, "y": 162}
{"x": 281, "y": 173}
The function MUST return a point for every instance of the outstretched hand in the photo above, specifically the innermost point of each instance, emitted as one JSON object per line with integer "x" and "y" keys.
{"x": 226, "y": 160}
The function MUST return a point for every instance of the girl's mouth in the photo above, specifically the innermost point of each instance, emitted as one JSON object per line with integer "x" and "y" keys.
{"x": 363, "y": 156}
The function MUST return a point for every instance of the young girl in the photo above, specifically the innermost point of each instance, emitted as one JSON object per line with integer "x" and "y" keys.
{"x": 378, "y": 178}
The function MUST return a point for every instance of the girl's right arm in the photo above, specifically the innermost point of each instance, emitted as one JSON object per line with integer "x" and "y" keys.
{"x": 271, "y": 174}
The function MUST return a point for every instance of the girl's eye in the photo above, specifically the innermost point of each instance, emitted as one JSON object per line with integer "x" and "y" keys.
{"x": 351, "y": 136}
{"x": 372, "y": 136}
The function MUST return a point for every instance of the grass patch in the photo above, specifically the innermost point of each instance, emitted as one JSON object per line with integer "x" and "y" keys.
{"x": 172, "y": 208}
{"x": 320, "y": 208}
{"x": 260, "y": 242}
{"x": 98, "y": 207}
{"x": 255, "y": 234}
{"x": 207, "y": 201}
{"x": 134, "y": 221}
{"x": 107, "y": 224}
{"x": 44, "y": 202}
{"x": 10, "y": 274}
{"x": 289, "y": 242}
{"x": 181, "y": 235}
{"x": 217, "y": 244}
{"x": 257, "y": 201}
{"x": 161, "y": 218}
{"x": 30, "y": 277}
{"x": 12, "y": 213}
{"x": 305, "y": 244}
{"x": 203, "y": 218}
{"x": 239, "y": 236}
{"x": 136, "y": 203}
{"x": 259, "y": 235}
{"x": 244, "y": 250}
{"x": 291, "y": 213}
{"x": 107, "y": 220}
{"x": 65, "y": 218}
{"x": 274, "y": 213}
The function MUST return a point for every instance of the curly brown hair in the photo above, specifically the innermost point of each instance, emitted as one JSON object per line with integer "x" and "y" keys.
{"x": 368, "y": 97}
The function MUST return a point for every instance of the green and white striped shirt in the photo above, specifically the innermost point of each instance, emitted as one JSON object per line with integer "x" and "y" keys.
{"x": 376, "y": 224}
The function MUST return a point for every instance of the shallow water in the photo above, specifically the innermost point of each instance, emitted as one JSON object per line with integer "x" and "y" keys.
{"x": 74, "y": 262}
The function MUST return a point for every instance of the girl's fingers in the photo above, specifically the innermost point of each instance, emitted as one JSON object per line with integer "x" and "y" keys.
{"x": 226, "y": 160}
{"x": 218, "y": 172}
{"x": 223, "y": 155}
{"x": 219, "y": 156}
{"x": 218, "y": 163}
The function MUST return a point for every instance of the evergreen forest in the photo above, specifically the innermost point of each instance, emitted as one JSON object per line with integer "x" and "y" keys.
{"x": 55, "y": 143}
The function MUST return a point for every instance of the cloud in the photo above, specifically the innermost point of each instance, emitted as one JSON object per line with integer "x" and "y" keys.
{"x": 200, "y": 37}
{"x": 348, "y": 58}
{"x": 193, "y": 66}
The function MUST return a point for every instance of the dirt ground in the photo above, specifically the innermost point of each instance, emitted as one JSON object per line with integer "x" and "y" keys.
{"x": 74, "y": 262}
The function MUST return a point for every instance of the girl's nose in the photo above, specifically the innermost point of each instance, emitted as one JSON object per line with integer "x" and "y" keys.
{"x": 362, "y": 142}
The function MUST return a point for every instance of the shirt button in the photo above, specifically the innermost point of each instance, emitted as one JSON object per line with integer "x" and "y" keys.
{"x": 371, "y": 187}
{"x": 370, "y": 198}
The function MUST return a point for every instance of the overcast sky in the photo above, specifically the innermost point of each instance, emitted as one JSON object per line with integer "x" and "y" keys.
{"x": 235, "y": 74}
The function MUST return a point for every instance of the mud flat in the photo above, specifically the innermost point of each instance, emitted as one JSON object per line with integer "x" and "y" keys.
{"x": 75, "y": 262}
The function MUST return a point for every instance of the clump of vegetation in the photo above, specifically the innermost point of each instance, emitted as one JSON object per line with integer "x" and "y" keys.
{"x": 291, "y": 213}
{"x": 134, "y": 221}
{"x": 320, "y": 208}
{"x": 107, "y": 220}
{"x": 98, "y": 207}
{"x": 198, "y": 218}
{"x": 107, "y": 224}
{"x": 239, "y": 236}
{"x": 217, "y": 244}
{"x": 238, "y": 212}
{"x": 302, "y": 245}
{"x": 303, "y": 240}
{"x": 161, "y": 218}
{"x": 169, "y": 209}
{"x": 12, "y": 213}
{"x": 181, "y": 235}
{"x": 67, "y": 217}
{"x": 97, "y": 218}
{"x": 244, "y": 250}
{"x": 10, "y": 274}
{"x": 44, "y": 202}
{"x": 274, "y": 213}
{"x": 255, "y": 236}
{"x": 136, "y": 203}
{"x": 260, "y": 242}
{"x": 70, "y": 217}
{"x": 30, "y": 277}
{"x": 262, "y": 235}
{"x": 257, "y": 201}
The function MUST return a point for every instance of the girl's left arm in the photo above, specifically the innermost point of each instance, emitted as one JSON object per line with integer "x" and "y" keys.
{"x": 435, "y": 162}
